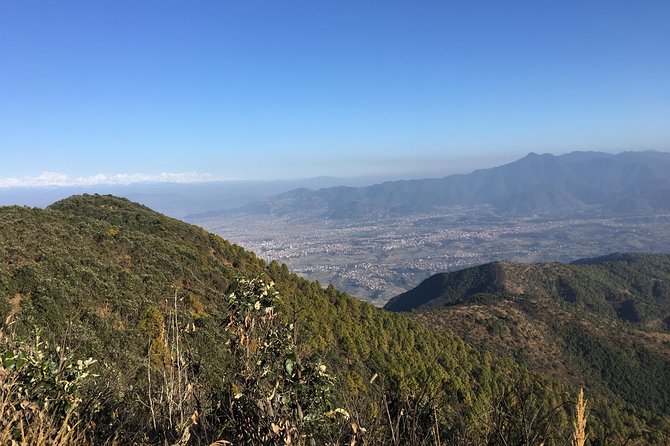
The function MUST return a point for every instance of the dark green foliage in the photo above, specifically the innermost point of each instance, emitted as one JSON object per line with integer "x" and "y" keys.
{"x": 631, "y": 371}
{"x": 600, "y": 321}
{"x": 632, "y": 287}
{"x": 451, "y": 288}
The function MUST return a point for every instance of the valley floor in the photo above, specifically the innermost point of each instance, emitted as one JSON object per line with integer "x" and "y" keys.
{"x": 378, "y": 258}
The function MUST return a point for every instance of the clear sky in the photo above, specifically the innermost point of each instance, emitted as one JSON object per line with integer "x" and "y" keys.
{"x": 286, "y": 89}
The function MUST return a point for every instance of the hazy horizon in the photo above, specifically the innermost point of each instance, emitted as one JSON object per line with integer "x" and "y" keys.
{"x": 55, "y": 180}
{"x": 50, "y": 179}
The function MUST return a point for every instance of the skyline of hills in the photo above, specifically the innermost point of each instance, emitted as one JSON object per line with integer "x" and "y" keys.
{"x": 635, "y": 181}
{"x": 627, "y": 182}
{"x": 174, "y": 199}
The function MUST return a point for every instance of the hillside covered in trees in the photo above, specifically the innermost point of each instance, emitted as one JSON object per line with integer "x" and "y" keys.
{"x": 603, "y": 321}
{"x": 193, "y": 340}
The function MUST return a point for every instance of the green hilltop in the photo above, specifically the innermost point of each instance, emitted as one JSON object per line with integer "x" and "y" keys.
{"x": 630, "y": 287}
{"x": 192, "y": 346}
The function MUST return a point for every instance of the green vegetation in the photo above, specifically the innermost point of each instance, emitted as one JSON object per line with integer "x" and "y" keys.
{"x": 40, "y": 394}
{"x": 193, "y": 345}
{"x": 599, "y": 322}
{"x": 631, "y": 287}
{"x": 630, "y": 369}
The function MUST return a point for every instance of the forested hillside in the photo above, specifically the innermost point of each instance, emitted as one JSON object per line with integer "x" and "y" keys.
{"x": 602, "y": 321}
{"x": 194, "y": 340}
{"x": 631, "y": 287}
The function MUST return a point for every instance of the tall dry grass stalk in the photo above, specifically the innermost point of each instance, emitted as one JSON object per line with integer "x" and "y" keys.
{"x": 24, "y": 423}
{"x": 579, "y": 425}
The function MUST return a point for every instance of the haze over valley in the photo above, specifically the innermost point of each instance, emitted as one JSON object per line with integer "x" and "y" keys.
{"x": 405, "y": 237}
{"x": 378, "y": 239}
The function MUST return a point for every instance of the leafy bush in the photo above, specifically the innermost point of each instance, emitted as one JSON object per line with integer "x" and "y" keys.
{"x": 40, "y": 399}
{"x": 275, "y": 397}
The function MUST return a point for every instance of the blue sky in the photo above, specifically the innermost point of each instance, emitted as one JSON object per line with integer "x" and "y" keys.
{"x": 288, "y": 89}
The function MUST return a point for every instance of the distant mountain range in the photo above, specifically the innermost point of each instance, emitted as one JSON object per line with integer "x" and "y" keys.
{"x": 636, "y": 182}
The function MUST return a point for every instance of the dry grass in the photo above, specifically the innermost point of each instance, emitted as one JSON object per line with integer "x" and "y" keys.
{"x": 25, "y": 423}
{"x": 579, "y": 425}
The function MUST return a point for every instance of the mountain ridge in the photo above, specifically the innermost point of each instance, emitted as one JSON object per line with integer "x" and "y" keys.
{"x": 577, "y": 181}
{"x": 634, "y": 287}
{"x": 104, "y": 275}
